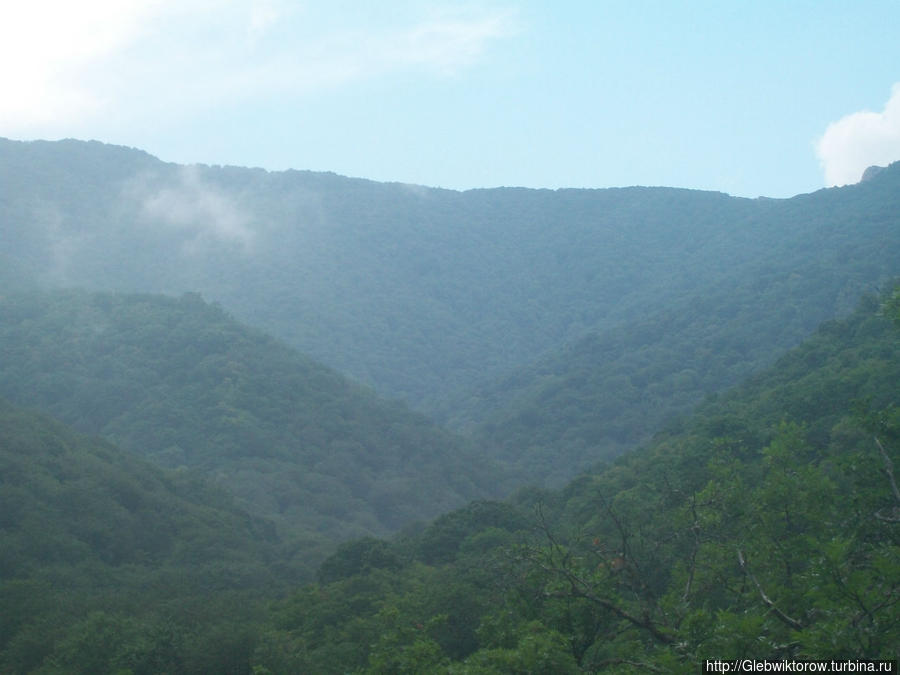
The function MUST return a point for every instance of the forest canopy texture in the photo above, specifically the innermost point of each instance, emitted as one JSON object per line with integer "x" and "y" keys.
{"x": 257, "y": 422}
{"x": 763, "y": 526}
{"x": 555, "y": 326}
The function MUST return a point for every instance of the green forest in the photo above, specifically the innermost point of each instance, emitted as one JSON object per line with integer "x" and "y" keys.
{"x": 181, "y": 383}
{"x": 288, "y": 422}
{"x": 764, "y": 525}
{"x": 555, "y": 326}
{"x": 110, "y": 564}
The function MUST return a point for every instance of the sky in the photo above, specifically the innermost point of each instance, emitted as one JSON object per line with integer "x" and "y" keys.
{"x": 764, "y": 98}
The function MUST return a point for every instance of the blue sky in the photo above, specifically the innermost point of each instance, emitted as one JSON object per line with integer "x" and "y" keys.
{"x": 750, "y": 98}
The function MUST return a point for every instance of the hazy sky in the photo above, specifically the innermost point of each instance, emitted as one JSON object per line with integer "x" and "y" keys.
{"x": 751, "y": 98}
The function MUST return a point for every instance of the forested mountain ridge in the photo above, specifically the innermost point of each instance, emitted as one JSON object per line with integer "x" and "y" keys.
{"x": 432, "y": 295}
{"x": 763, "y": 526}
{"x": 615, "y": 387}
{"x": 611, "y": 391}
{"x": 183, "y": 384}
{"x": 107, "y": 561}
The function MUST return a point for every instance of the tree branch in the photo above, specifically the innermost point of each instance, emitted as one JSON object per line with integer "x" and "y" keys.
{"x": 894, "y": 516}
{"x": 558, "y": 561}
{"x": 578, "y": 588}
{"x": 784, "y": 618}
{"x": 695, "y": 528}
{"x": 889, "y": 469}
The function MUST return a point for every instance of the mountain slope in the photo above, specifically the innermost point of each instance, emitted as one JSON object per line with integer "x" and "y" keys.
{"x": 70, "y": 498}
{"x": 107, "y": 561}
{"x": 609, "y": 392}
{"x": 182, "y": 383}
{"x": 614, "y": 388}
{"x": 764, "y": 526}
{"x": 426, "y": 294}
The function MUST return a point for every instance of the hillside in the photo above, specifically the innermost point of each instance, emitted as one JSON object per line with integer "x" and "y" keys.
{"x": 611, "y": 391}
{"x": 764, "y": 526}
{"x": 438, "y": 297}
{"x": 181, "y": 383}
{"x": 557, "y": 328}
{"x": 107, "y": 561}
{"x": 613, "y": 388}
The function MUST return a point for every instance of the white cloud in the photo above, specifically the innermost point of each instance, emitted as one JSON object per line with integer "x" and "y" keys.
{"x": 263, "y": 15}
{"x": 310, "y": 61}
{"x": 46, "y": 44}
{"x": 200, "y": 210}
{"x": 128, "y": 62}
{"x": 444, "y": 42}
{"x": 858, "y": 141}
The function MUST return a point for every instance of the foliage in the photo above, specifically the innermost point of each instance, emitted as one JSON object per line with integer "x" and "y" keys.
{"x": 109, "y": 564}
{"x": 561, "y": 327}
{"x": 613, "y": 390}
{"x": 566, "y": 326}
{"x": 182, "y": 383}
{"x": 764, "y": 526}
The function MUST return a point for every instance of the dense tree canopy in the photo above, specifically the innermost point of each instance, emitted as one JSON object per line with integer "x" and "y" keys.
{"x": 428, "y": 294}
{"x": 764, "y": 526}
{"x": 110, "y": 564}
{"x": 183, "y": 384}
{"x": 588, "y": 333}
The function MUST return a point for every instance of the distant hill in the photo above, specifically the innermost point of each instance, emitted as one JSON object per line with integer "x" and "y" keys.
{"x": 560, "y": 327}
{"x": 784, "y": 268}
{"x": 611, "y": 391}
{"x": 180, "y": 382}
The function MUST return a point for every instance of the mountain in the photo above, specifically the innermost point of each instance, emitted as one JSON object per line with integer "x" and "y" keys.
{"x": 764, "y": 526}
{"x": 611, "y": 391}
{"x": 871, "y": 172}
{"x": 183, "y": 384}
{"x": 613, "y": 388}
{"x": 557, "y": 329}
{"x": 107, "y": 561}
{"x": 434, "y": 296}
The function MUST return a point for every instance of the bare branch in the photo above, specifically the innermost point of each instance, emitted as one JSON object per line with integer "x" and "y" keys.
{"x": 889, "y": 515}
{"x": 784, "y": 618}
{"x": 889, "y": 469}
{"x": 627, "y": 553}
{"x": 644, "y": 623}
{"x": 557, "y": 550}
{"x": 579, "y": 588}
{"x": 695, "y": 528}
{"x": 558, "y": 561}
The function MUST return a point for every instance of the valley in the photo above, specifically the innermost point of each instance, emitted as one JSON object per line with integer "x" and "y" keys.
{"x": 295, "y": 422}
